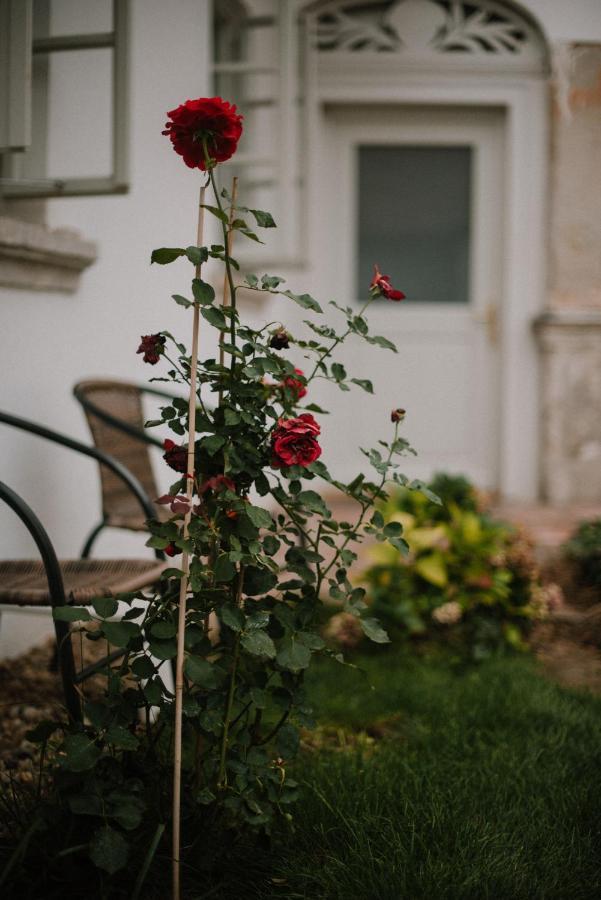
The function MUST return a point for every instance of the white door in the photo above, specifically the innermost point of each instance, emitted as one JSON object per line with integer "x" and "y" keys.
{"x": 419, "y": 192}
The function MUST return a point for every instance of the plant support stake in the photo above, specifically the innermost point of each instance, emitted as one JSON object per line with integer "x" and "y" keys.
{"x": 181, "y": 623}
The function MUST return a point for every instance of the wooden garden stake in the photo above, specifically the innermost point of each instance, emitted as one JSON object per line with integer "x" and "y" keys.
{"x": 181, "y": 625}
{"x": 228, "y": 249}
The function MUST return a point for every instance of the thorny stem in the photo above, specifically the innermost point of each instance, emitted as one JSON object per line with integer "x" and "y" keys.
{"x": 228, "y": 269}
{"x": 337, "y": 341}
{"x": 222, "y": 778}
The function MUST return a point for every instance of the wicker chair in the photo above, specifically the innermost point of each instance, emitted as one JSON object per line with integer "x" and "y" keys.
{"x": 116, "y": 421}
{"x": 50, "y": 582}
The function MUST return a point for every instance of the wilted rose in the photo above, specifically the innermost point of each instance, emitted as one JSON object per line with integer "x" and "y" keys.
{"x": 175, "y": 456}
{"x": 381, "y": 286}
{"x": 152, "y": 346}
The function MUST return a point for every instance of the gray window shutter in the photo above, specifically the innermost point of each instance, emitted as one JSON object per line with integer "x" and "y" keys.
{"x": 15, "y": 74}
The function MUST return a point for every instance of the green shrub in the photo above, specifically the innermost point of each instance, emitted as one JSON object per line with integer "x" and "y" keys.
{"x": 584, "y": 550}
{"x": 467, "y": 577}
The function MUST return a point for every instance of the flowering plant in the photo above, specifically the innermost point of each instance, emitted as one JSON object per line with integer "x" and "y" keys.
{"x": 240, "y": 612}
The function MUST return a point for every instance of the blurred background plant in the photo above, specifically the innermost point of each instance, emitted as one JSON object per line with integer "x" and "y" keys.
{"x": 468, "y": 580}
{"x": 583, "y": 552}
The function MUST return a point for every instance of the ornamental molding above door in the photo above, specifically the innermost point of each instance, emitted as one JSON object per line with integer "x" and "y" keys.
{"x": 459, "y": 28}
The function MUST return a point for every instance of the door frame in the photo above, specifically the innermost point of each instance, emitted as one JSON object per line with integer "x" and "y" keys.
{"x": 524, "y": 99}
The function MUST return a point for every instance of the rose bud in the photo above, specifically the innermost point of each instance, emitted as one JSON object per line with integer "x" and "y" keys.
{"x": 280, "y": 339}
{"x": 175, "y": 456}
{"x": 397, "y": 415}
{"x": 152, "y": 346}
{"x": 172, "y": 550}
{"x": 381, "y": 287}
{"x": 295, "y": 385}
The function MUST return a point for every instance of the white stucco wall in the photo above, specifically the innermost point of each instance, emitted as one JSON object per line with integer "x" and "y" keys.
{"x": 50, "y": 341}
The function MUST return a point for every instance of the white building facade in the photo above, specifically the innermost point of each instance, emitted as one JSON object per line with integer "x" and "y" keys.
{"x": 456, "y": 144}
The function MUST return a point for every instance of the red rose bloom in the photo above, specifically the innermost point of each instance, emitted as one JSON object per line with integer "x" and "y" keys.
{"x": 175, "y": 456}
{"x": 208, "y": 120}
{"x": 217, "y": 483}
{"x": 294, "y": 442}
{"x": 172, "y": 550}
{"x": 380, "y": 285}
{"x": 295, "y": 385}
{"x": 152, "y": 346}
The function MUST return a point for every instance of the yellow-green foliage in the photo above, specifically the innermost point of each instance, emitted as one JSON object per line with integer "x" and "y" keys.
{"x": 466, "y": 576}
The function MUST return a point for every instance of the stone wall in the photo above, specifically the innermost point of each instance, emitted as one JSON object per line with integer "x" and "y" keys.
{"x": 570, "y": 330}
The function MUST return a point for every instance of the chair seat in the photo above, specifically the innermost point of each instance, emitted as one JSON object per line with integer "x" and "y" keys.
{"x": 23, "y": 582}
{"x": 133, "y": 519}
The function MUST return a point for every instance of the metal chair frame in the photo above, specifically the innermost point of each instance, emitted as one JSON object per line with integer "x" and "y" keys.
{"x": 49, "y": 558}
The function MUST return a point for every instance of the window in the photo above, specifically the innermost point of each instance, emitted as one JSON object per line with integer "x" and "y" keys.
{"x": 76, "y": 54}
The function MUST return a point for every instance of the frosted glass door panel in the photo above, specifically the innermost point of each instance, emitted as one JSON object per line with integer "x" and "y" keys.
{"x": 414, "y": 220}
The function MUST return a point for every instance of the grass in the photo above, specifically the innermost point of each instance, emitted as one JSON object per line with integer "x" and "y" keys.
{"x": 486, "y": 786}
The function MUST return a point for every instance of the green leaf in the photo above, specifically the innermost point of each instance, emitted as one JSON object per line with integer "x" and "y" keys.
{"x": 80, "y": 753}
{"x": 364, "y": 383}
{"x": 105, "y": 606}
{"x": 71, "y": 614}
{"x": 310, "y": 640}
{"x": 257, "y": 620}
{"x": 432, "y": 569}
{"x": 258, "y": 516}
{"x": 143, "y": 667}
{"x": 121, "y": 738}
{"x": 263, "y": 219}
{"x": 374, "y": 631}
{"x": 252, "y": 281}
{"x": 214, "y": 317}
{"x": 163, "y": 630}
{"x": 182, "y": 301}
{"x": 304, "y": 300}
{"x": 205, "y": 797}
{"x": 270, "y": 282}
{"x": 212, "y": 443}
{"x": 202, "y": 291}
{"x": 381, "y": 342}
{"x": 258, "y": 581}
{"x": 120, "y": 633}
{"x": 393, "y": 529}
{"x": 293, "y": 655}
{"x": 224, "y": 568}
{"x": 288, "y": 741}
{"x": 338, "y": 371}
{"x": 271, "y": 545}
{"x": 231, "y": 417}
{"x": 231, "y": 616}
{"x": 109, "y": 850}
{"x": 201, "y": 672}
{"x": 197, "y": 255}
{"x": 258, "y": 697}
{"x": 259, "y": 644}
{"x": 165, "y": 255}
{"x": 218, "y": 213}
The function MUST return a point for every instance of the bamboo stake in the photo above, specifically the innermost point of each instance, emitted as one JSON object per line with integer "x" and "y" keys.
{"x": 228, "y": 249}
{"x": 183, "y": 590}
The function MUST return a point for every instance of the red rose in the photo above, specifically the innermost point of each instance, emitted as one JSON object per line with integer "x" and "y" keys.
{"x": 175, "y": 456}
{"x": 295, "y": 385}
{"x": 294, "y": 443}
{"x": 152, "y": 346}
{"x": 172, "y": 550}
{"x": 208, "y": 120}
{"x": 380, "y": 285}
{"x": 217, "y": 483}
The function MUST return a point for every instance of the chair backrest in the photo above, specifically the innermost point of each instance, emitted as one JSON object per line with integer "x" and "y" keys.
{"x": 115, "y": 417}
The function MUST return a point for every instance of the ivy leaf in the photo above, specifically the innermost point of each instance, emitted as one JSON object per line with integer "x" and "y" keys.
{"x": 165, "y": 255}
{"x": 263, "y": 219}
{"x": 80, "y": 753}
{"x": 364, "y": 383}
{"x": 214, "y": 317}
{"x": 304, "y": 300}
{"x": 109, "y": 850}
{"x": 259, "y": 644}
{"x": 374, "y": 631}
{"x": 293, "y": 655}
{"x": 202, "y": 291}
{"x": 200, "y": 672}
{"x": 105, "y": 606}
{"x": 71, "y": 614}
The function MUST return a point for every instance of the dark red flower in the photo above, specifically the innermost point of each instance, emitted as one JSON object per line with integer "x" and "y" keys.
{"x": 172, "y": 550}
{"x": 217, "y": 483}
{"x": 152, "y": 346}
{"x": 208, "y": 122}
{"x": 380, "y": 285}
{"x": 397, "y": 415}
{"x": 280, "y": 339}
{"x": 295, "y": 385}
{"x": 175, "y": 456}
{"x": 294, "y": 442}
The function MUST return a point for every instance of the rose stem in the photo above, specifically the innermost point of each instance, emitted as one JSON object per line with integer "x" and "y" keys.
{"x": 226, "y": 284}
{"x": 183, "y": 590}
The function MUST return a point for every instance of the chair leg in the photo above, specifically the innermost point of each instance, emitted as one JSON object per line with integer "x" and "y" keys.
{"x": 87, "y": 547}
{"x": 67, "y": 666}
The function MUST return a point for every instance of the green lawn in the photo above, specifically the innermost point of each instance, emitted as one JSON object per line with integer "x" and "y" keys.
{"x": 486, "y": 784}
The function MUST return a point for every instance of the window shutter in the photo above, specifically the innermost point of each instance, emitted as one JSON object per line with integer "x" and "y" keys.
{"x": 15, "y": 74}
